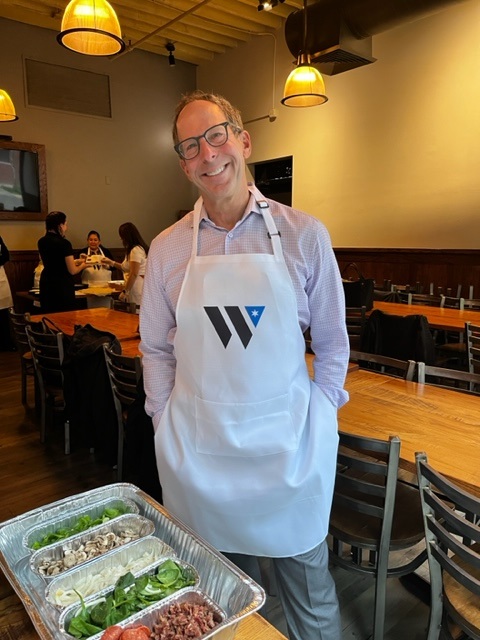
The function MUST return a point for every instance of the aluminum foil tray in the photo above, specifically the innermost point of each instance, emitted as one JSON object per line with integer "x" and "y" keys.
{"x": 191, "y": 595}
{"x": 73, "y": 610}
{"x": 221, "y": 581}
{"x": 116, "y": 563}
{"x": 138, "y": 525}
{"x": 53, "y": 520}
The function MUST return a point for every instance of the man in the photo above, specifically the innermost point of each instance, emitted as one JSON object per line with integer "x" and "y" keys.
{"x": 246, "y": 444}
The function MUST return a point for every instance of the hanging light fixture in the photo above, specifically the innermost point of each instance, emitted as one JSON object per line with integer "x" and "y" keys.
{"x": 91, "y": 27}
{"x": 170, "y": 47}
{"x": 267, "y": 5}
{"x": 7, "y": 109}
{"x": 304, "y": 86}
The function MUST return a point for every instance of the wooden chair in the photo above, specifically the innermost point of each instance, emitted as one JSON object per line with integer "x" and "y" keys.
{"x": 425, "y": 299}
{"x": 383, "y": 364}
{"x": 355, "y": 318}
{"x": 124, "y": 373}
{"x": 472, "y": 336}
{"x": 472, "y": 304}
{"x": 372, "y": 511}
{"x": 126, "y": 307}
{"x": 18, "y": 322}
{"x": 451, "y": 516}
{"x": 47, "y": 353}
{"x": 449, "y": 378}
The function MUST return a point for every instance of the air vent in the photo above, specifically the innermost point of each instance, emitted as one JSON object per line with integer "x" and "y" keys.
{"x": 339, "y": 59}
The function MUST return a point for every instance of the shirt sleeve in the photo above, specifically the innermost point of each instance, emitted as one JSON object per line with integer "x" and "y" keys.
{"x": 157, "y": 330}
{"x": 328, "y": 330}
{"x": 67, "y": 248}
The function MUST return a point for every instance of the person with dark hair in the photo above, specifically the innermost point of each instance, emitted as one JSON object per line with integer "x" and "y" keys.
{"x": 246, "y": 443}
{"x": 100, "y": 273}
{"x": 133, "y": 266}
{"x": 57, "y": 287}
{"x": 6, "y": 342}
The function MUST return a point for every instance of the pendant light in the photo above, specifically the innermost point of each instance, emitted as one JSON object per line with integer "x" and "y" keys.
{"x": 91, "y": 27}
{"x": 304, "y": 86}
{"x": 7, "y": 109}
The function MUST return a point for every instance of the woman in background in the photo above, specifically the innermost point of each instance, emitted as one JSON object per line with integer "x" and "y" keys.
{"x": 136, "y": 250}
{"x": 57, "y": 287}
{"x": 6, "y": 342}
{"x": 100, "y": 274}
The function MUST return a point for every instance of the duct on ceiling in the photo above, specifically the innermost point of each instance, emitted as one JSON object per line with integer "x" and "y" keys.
{"x": 339, "y": 34}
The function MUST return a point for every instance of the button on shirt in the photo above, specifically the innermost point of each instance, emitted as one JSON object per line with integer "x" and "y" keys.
{"x": 312, "y": 266}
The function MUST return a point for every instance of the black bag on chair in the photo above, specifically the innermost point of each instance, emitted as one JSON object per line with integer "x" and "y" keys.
{"x": 359, "y": 292}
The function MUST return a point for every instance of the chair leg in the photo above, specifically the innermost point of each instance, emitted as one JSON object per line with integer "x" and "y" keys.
{"x": 380, "y": 596}
{"x": 66, "y": 428}
{"x": 24, "y": 385}
{"x": 121, "y": 436}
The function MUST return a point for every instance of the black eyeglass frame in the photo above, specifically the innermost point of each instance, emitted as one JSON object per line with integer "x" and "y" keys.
{"x": 197, "y": 139}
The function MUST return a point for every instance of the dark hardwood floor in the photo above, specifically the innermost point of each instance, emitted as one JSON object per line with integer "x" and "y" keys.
{"x": 33, "y": 474}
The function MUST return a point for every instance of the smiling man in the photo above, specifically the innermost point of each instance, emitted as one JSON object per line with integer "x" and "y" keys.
{"x": 245, "y": 442}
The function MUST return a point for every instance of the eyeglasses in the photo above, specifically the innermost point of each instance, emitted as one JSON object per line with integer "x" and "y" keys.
{"x": 215, "y": 136}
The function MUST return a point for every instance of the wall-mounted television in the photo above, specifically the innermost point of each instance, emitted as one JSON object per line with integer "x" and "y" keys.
{"x": 23, "y": 181}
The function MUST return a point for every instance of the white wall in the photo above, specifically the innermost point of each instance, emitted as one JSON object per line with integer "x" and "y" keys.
{"x": 393, "y": 158}
{"x": 133, "y": 149}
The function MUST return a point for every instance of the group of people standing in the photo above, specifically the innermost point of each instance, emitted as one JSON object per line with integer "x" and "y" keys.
{"x": 95, "y": 263}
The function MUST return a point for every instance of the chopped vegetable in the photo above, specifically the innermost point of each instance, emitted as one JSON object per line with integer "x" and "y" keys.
{"x": 129, "y": 596}
{"x": 83, "y": 523}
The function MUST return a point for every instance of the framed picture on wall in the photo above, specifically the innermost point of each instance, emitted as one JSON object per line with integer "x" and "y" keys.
{"x": 23, "y": 181}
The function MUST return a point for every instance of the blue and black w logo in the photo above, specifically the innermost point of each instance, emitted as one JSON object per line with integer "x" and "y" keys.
{"x": 237, "y": 318}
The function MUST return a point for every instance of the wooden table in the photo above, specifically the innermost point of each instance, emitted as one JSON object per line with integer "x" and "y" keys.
{"x": 123, "y": 325}
{"x": 438, "y": 318}
{"x": 443, "y": 423}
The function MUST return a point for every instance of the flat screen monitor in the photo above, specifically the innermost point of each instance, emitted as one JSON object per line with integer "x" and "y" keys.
{"x": 23, "y": 181}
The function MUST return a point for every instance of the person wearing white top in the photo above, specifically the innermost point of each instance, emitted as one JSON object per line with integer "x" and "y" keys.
{"x": 133, "y": 266}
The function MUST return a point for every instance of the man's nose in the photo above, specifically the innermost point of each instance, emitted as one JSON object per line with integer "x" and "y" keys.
{"x": 206, "y": 150}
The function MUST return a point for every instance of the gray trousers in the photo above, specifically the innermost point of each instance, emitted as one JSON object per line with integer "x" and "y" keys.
{"x": 306, "y": 591}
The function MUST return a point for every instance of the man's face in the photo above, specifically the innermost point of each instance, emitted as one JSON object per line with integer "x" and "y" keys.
{"x": 218, "y": 172}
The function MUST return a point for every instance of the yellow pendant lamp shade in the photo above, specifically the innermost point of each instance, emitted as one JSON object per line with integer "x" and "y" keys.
{"x": 91, "y": 27}
{"x": 304, "y": 86}
{"x": 7, "y": 110}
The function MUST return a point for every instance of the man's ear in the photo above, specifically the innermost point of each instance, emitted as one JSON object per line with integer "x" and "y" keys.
{"x": 247, "y": 144}
{"x": 184, "y": 166}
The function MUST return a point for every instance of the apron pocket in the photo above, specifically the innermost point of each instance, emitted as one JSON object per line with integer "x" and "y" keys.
{"x": 245, "y": 429}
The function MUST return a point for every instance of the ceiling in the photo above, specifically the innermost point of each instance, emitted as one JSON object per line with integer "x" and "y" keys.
{"x": 199, "y": 29}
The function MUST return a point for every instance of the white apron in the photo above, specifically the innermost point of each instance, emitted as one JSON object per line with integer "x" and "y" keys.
{"x": 246, "y": 447}
{"x": 97, "y": 274}
{"x": 5, "y": 293}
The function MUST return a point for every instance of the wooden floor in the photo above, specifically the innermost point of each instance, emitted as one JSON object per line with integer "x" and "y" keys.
{"x": 32, "y": 474}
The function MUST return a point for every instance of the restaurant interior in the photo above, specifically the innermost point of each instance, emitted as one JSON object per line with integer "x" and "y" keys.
{"x": 388, "y": 161}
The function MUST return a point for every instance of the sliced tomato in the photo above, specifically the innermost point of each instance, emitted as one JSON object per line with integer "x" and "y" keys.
{"x": 112, "y": 633}
{"x": 136, "y": 633}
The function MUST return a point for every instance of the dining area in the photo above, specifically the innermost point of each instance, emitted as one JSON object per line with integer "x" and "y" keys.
{"x": 424, "y": 417}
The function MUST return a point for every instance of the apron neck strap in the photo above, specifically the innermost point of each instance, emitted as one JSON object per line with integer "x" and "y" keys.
{"x": 262, "y": 204}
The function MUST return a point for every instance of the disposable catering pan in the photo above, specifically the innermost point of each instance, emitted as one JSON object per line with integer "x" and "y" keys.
{"x": 191, "y": 596}
{"x": 70, "y": 612}
{"x": 102, "y": 573}
{"x": 126, "y": 529}
{"x": 53, "y": 521}
{"x": 234, "y": 592}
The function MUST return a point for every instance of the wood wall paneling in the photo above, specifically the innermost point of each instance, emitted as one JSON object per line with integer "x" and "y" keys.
{"x": 444, "y": 267}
